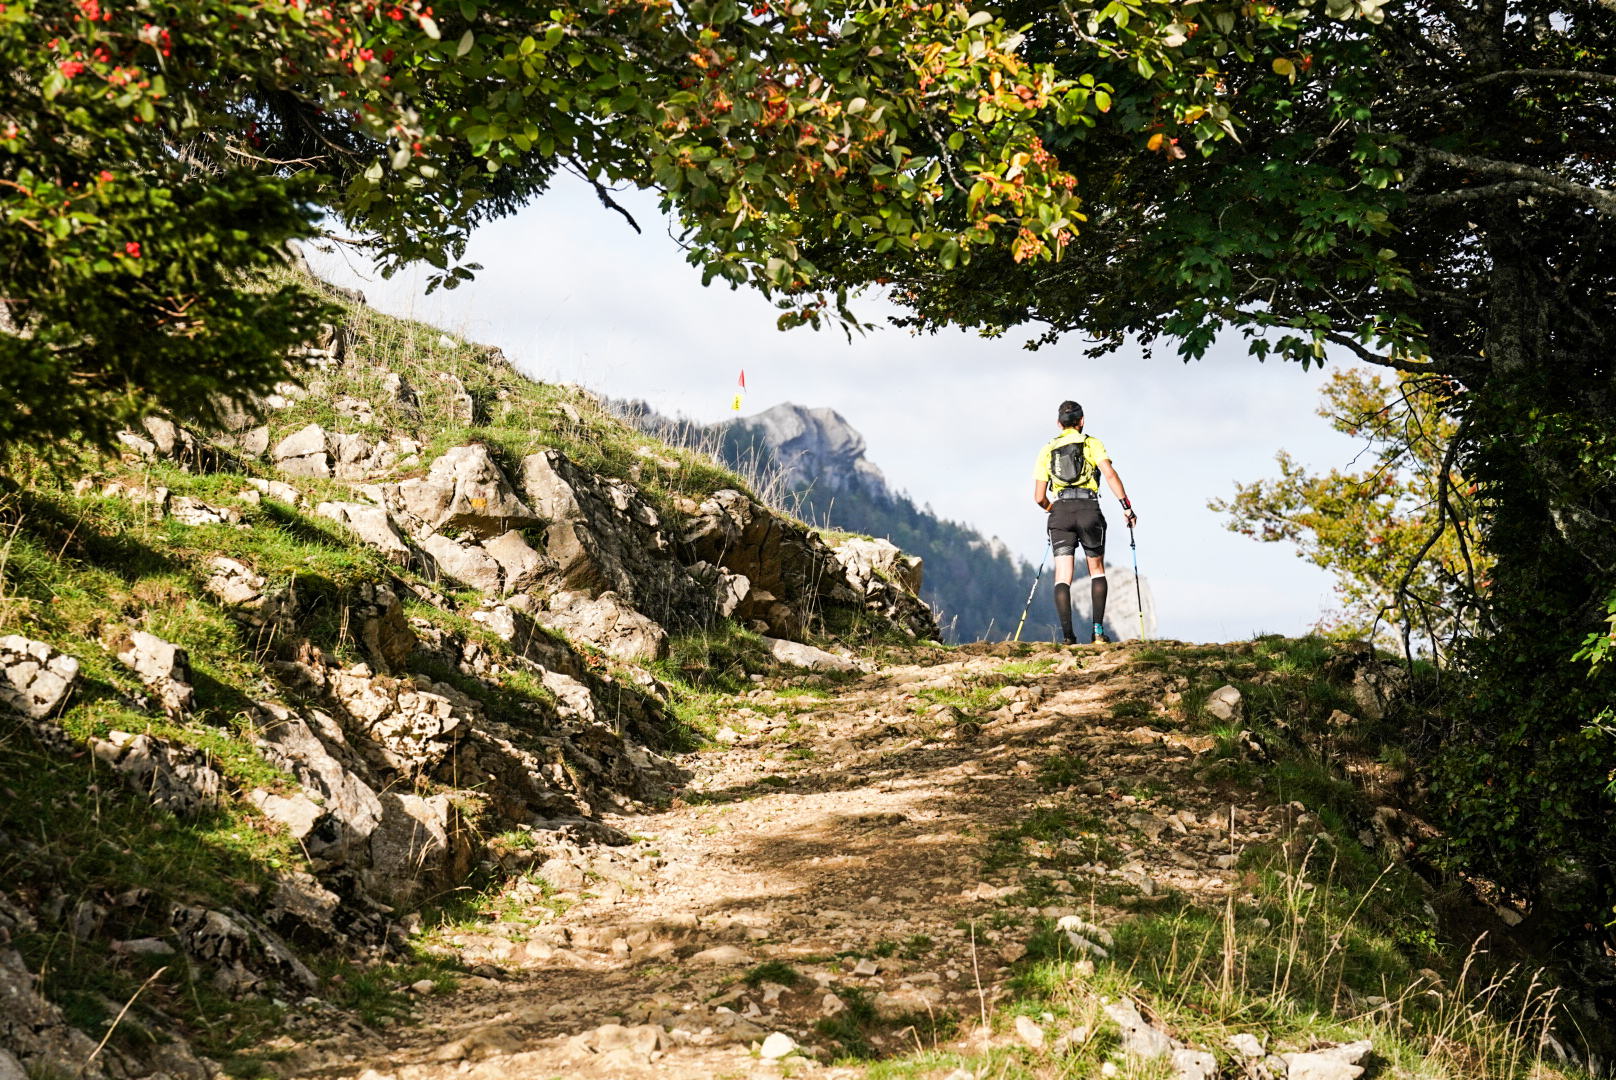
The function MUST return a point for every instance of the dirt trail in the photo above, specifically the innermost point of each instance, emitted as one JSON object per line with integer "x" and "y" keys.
{"x": 864, "y": 830}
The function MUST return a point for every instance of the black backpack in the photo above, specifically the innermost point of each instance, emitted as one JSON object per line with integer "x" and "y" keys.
{"x": 1067, "y": 466}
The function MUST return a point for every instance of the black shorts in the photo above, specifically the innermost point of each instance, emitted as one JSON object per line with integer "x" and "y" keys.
{"x": 1077, "y": 520}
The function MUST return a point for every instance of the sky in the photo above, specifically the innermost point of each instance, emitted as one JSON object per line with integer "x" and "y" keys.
{"x": 572, "y": 294}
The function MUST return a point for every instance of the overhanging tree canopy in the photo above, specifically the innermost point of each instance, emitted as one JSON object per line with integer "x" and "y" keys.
{"x": 1430, "y": 192}
{"x": 159, "y": 153}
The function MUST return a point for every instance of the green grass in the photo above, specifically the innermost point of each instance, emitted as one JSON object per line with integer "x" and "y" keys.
{"x": 775, "y": 971}
{"x": 1060, "y": 770}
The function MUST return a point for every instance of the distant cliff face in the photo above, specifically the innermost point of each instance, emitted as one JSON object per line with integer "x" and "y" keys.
{"x": 818, "y": 449}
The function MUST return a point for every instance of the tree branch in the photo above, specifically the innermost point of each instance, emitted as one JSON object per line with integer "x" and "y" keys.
{"x": 1603, "y": 201}
{"x": 1488, "y": 191}
{"x": 605, "y": 195}
{"x": 1370, "y": 357}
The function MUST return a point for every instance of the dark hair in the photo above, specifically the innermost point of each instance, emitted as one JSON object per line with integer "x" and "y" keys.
{"x": 1070, "y": 413}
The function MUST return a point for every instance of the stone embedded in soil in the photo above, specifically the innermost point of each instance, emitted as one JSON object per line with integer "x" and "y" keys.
{"x": 466, "y": 563}
{"x": 1030, "y": 1034}
{"x": 796, "y": 654}
{"x": 1224, "y": 703}
{"x": 35, "y": 679}
{"x": 724, "y": 955}
{"x": 777, "y": 1046}
{"x": 176, "y": 777}
{"x": 371, "y": 525}
{"x": 607, "y": 623}
{"x": 1138, "y": 1038}
{"x": 1246, "y": 1045}
{"x": 163, "y": 666}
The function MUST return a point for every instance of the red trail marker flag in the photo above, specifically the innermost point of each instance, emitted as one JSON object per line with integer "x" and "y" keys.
{"x": 739, "y": 394}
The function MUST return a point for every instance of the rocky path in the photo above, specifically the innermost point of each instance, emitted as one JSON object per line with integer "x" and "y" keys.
{"x": 887, "y": 843}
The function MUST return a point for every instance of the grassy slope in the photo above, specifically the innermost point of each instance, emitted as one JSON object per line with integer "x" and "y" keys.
{"x": 1325, "y": 941}
{"x": 76, "y": 567}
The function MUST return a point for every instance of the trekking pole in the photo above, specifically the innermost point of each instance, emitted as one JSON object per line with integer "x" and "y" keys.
{"x": 1030, "y": 592}
{"x": 1138, "y": 593}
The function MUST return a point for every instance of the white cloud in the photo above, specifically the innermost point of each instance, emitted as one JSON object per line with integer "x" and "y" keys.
{"x": 572, "y": 294}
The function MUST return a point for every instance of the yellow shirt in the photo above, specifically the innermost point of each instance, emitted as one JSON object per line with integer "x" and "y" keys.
{"x": 1093, "y": 454}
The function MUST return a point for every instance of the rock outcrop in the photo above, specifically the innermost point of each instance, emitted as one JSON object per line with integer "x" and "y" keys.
{"x": 176, "y": 777}
{"x": 604, "y": 537}
{"x": 607, "y": 622}
{"x": 161, "y": 665}
{"x": 315, "y": 453}
{"x": 35, "y": 679}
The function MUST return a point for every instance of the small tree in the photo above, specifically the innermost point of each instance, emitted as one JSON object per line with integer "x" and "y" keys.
{"x": 1400, "y": 536}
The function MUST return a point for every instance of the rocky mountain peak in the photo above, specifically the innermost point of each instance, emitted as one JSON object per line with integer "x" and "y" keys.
{"x": 818, "y": 447}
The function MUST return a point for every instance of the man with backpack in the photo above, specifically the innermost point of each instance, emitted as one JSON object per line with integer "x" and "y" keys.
{"x": 1067, "y": 485}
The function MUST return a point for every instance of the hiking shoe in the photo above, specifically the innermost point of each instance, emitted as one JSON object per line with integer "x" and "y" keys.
{"x": 1069, "y": 639}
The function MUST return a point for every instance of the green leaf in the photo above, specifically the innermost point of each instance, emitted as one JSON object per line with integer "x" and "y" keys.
{"x": 468, "y": 40}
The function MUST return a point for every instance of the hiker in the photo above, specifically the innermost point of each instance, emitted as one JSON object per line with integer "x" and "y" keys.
{"x": 1067, "y": 484}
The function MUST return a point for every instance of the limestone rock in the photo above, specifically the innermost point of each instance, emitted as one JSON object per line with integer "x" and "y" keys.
{"x": 1138, "y": 1038}
{"x": 303, "y": 453}
{"x": 790, "y": 569}
{"x": 354, "y": 408}
{"x": 1376, "y": 686}
{"x": 607, "y": 623}
{"x": 604, "y": 537}
{"x": 865, "y": 560}
{"x": 371, "y": 525}
{"x": 468, "y": 564}
{"x": 400, "y": 395}
{"x": 796, "y": 654}
{"x": 299, "y": 813}
{"x": 234, "y": 583}
{"x": 729, "y": 590}
{"x": 1030, "y": 1034}
{"x": 777, "y": 1046}
{"x": 192, "y": 511}
{"x": 352, "y": 807}
{"x": 229, "y": 940}
{"x": 161, "y": 665}
{"x": 34, "y": 1034}
{"x": 521, "y": 566}
{"x": 381, "y": 627}
{"x": 278, "y": 490}
{"x": 1224, "y": 703}
{"x": 300, "y": 906}
{"x": 1191, "y": 1064}
{"x": 35, "y": 679}
{"x": 1334, "y": 1063}
{"x": 465, "y": 491}
{"x": 178, "y": 778}
{"x": 409, "y": 725}
{"x": 721, "y": 955}
{"x": 419, "y": 845}
{"x": 169, "y": 441}
{"x": 1246, "y": 1045}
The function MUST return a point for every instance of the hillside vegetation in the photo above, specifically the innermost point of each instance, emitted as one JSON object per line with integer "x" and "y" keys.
{"x": 260, "y": 710}
{"x": 443, "y": 723}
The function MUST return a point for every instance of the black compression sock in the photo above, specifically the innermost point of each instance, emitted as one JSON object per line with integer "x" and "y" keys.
{"x": 1063, "y": 608}
{"x": 1097, "y": 591}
